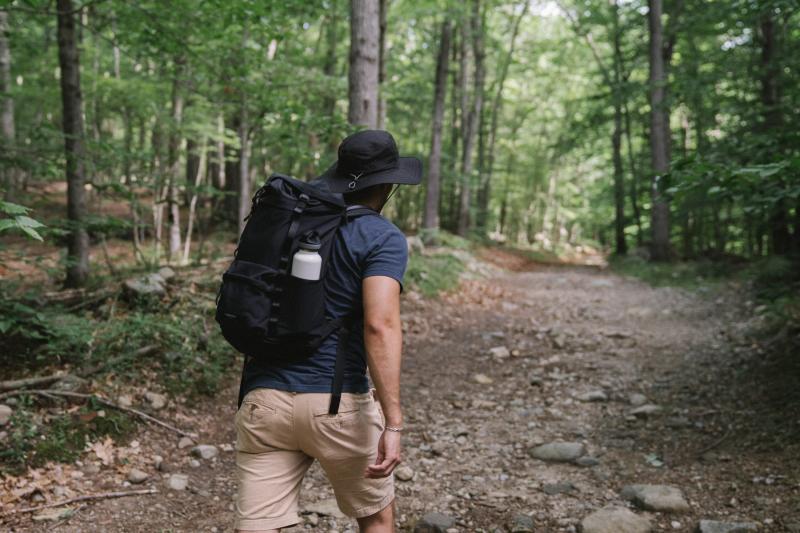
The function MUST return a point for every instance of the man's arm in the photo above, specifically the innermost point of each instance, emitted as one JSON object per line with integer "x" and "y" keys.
{"x": 383, "y": 340}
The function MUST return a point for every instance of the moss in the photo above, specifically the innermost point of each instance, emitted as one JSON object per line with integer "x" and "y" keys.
{"x": 434, "y": 272}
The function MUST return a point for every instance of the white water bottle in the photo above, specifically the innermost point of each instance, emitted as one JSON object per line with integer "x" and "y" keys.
{"x": 307, "y": 263}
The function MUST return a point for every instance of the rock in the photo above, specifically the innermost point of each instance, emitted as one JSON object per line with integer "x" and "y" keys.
{"x": 587, "y": 461}
{"x": 226, "y": 447}
{"x": 593, "y": 396}
{"x": 713, "y": 526}
{"x": 150, "y": 285}
{"x": 166, "y": 273}
{"x": 404, "y": 473}
{"x": 3, "y": 435}
{"x": 536, "y": 381}
{"x": 326, "y": 507}
{"x": 185, "y": 442}
{"x": 156, "y": 401}
{"x": 522, "y": 523}
{"x": 312, "y": 519}
{"x": 137, "y": 476}
{"x": 602, "y": 283}
{"x": 646, "y": 410}
{"x": 415, "y": 244}
{"x": 5, "y": 414}
{"x": 615, "y": 520}
{"x": 70, "y": 383}
{"x": 558, "y": 451}
{"x": 178, "y": 481}
{"x": 194, "y": 463}
{"x": 51, "y": 515}
{"x": 205, "y": 451}
{"x": 434, "y": 523}
{"x": 439, "y": 447}
{"x": 558, "y": 488}
{"x": 483, "y": 379}
{"x": 656, "y": 498}
{"x": 636, "y": 399}
{"x": 158, "y": 463}
{"x": 499, "y": 352}
{"x": 124, "y": 400}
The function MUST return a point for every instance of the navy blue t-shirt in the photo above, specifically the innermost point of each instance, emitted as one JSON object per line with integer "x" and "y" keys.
{"x": 365, "y": 246}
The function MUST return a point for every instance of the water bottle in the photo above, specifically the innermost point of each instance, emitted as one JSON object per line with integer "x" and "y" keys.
{"x": 307, "y": 263}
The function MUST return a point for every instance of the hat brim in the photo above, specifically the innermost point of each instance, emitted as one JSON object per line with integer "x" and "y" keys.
{"x": 408, "y": 172}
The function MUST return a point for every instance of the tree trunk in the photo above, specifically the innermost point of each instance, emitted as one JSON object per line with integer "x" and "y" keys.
{"x": 383, "y": 15}
{"x": 7, "y": 129}
{"x": 659, "y": 138}
{"x": 174, "y": 211}
{"x": 74, "y": 148}
{"x": 779, "y": 236}
{"x": 476, "y": 27}
{"x": 485, "y": 191}
{"x": 634, "y": 188}
{"x": 621, "y": 246}
{"x": 243, "y": 189}
{"x": 433, "y": 187}
{"x": 329, "y": 68}
{"x": 364, "y": 63}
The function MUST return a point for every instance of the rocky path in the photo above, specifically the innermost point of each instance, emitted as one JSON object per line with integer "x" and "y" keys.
{"x": 554, "y": 399}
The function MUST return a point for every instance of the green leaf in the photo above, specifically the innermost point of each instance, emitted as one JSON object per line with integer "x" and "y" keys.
{"x": 28, "y": 222}
{"x": 32, "y": 233}
{"x": 12, "y": 209}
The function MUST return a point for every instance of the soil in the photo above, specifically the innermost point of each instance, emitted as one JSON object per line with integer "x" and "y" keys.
{"x": 726, "y": 434}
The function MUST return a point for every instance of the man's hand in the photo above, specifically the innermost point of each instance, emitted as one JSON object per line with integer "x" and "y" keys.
{"x": 388, "y": 456}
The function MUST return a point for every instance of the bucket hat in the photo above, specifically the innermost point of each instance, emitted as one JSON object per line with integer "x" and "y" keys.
{"x": 368, "y": 158}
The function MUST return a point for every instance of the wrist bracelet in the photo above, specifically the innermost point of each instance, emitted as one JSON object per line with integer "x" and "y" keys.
{"x": 396, "y": 429}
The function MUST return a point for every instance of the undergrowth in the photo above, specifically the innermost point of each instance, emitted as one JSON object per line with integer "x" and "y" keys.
{"x": 36, "y": 438}
{"x": 434, "y": 272}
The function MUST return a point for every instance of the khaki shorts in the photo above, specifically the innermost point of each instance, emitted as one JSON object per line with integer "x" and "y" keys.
{"x": 278, "y": 436}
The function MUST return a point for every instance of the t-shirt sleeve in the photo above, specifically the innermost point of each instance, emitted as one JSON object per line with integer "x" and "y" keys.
{"x": 388, "y": 256}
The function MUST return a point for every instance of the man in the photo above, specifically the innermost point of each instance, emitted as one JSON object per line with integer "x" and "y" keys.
{"x": 283, "y": 423}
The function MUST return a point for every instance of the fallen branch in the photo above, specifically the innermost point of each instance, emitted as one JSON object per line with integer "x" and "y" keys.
{"x": 141, "y": 352}
{"x": 104, "y": 401}
{"x": 85, "y": 497}
{"x": 14, "y": 384}
{"x": 715, "y": 443}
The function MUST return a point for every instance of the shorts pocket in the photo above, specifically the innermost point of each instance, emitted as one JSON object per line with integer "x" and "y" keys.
{"x": 254, "y": 420}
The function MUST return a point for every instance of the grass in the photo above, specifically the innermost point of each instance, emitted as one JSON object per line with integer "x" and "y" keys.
{"x": 685, "y": 274}
{"x": 434, "y": 272}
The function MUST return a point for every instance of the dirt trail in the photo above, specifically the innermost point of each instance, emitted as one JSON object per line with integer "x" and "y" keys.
{"x": 569, "y": 331}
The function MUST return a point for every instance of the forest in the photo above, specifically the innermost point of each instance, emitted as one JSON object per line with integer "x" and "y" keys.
{"x": 652, "y": 140}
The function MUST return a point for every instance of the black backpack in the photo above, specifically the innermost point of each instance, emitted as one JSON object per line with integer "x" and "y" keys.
{"x": 264, "y": 311}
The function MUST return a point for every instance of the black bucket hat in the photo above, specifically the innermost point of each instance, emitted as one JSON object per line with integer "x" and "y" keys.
{"x": 368, "y": 158}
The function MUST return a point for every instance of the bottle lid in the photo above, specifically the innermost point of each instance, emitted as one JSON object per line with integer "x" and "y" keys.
{"x": 310, "y": 242}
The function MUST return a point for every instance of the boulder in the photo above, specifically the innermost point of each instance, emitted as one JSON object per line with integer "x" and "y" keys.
{"x": 147, "y": 286}
{"x": 434, "y": 523}
{"x": 564, "y": 452}
{"x": 167, "y": 274}
{"x": 415, "y": 244}
{"x": 615, "y": 520}
{"x": 5, "y": 414}
{"x": 662, "y": 498}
